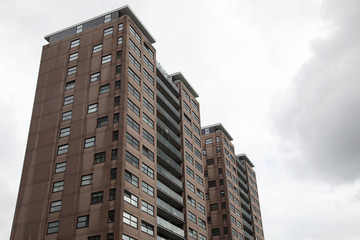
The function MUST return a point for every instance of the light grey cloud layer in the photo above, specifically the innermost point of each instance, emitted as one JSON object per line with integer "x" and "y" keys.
{"x": 321, "y": 110}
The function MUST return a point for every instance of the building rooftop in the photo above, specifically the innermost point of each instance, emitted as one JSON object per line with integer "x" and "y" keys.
{"x": 96, "y": 21}
{"x": 220, "y": 127}
{"x": 178, "y": 76}
{"x": 242, "y": 156}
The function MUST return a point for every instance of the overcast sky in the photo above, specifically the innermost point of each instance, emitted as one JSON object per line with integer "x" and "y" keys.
{"x": 282, "y": 76}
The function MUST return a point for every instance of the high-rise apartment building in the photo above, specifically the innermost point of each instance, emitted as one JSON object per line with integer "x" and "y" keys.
{"x": 232, "y": 197}
{"x": 114, "y": 146}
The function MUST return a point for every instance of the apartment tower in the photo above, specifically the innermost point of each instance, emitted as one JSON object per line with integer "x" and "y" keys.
{"x": 114, "y": 145}
{"x": 232, "y": 197}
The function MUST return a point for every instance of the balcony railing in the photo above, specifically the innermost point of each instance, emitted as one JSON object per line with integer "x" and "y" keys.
{"x": 165, "y": 206}
{"x": 169, "y": 160}
{"x": 169, "y": 146}
{"x": 166, "y": 75}
{"x": 174, "y": 111}
{"x": 169, "y": 176}
{"x": 248, "y": 226}
{"x": 248, "y": 236}
{"x": 241, "y": 174}
{"x": 242, "y": 184}
{"x": 244, "y": 195}
{"x": 171, "y": 94}
{"x": 246, "y": 215}
{"x": 168, "y": 192}
{"x": 174, "y": 137}
{"x": 170, "y": 227}
{"x": 168, "y": 118}
{"x": 244, "y": 204}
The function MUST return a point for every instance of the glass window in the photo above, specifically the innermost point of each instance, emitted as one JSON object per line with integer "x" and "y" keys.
{"x": 112, "y": 194}
{"x": 68, "y": 100}
{"x": 120, "y": 40}
{"x": 73, "y": 56}
{"x": 114, "y": 154}
{"x": 135, "y": 34}
{"x": 55, "y": 206}
{"x": 70, "y": 85}
{"x": 148, "y": 91}
{"x": 75, "y": 43}
{"x": 64, "y": 132}
{"x": 93, "y": 108}
{"x": 132, "y": 159}
{"x": 134, "y": 47}
{"x": 106, "y": 59}
{"x": 118, "y": 69}
{"x": 133, "y": 75}
{"x": 95, "y": 77}
{"x": 66, "y": 116}
{"x": 133, "y": 107}
{"x": 192, "y": 233}
{"x": 104, "y": 89}
{"x": 131, "y": 178}
{"x": 130, "y": 198}
{"x": 133, "y": 91}
{"x": 101, "y": 122}
{"x": 117, "y": 101}
{"x": 147, "y": 153}
{"x": 58, "y": 186}
{"x": 148, "y": 136}
{"x": 132, "y": 141}
{"x": 148, "y": 120}
{"x": 86, "y": 180}
{"x": 89, "y": 142}
{"x": 189, "y": 172}
{"x": 190, "y": 186}
{"x": 134, "y": 61}
{"x": 191, "y": 217}
{"x": 147, "y": 188}
{"x": 121, "y": 26}
{"x": 111, "y": 216}
{"x": 148, "y": 77}
{"x": 62, "y": 149}
{"x": 53, "y": 227}
{"x": 82, "y": 221}
{"x": 191, "y": 201}
{"x": 97, "y": 48}
{"x": 147, "y": 170}
{"x": 107, "y": 18}
{"x": 97, "y": 197}
{"x": 130, "y": 220}
{"x": 79, "y": 28}
{"x": 147, "y": 207}
{"x": 148, "y": 105}
{"x": 132, "y": 123}
{"x": 60, "y": 167}
{"x": 99, "y": 157}
{"x": 71, "y": 70}
{"x": 108, "y": 31}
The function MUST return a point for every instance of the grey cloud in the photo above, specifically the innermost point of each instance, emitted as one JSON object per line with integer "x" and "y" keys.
{"x": 321, "y": 110}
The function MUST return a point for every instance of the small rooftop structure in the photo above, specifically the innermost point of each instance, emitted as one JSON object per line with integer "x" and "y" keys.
{"x": 242, "y": 156}
{"x": 178, "y": 76}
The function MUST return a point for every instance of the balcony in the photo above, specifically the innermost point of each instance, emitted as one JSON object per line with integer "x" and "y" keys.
{"x": 174, "y": 138}
{"x": 168, "y": 146}
{"x": 168, "y": 92}
{"x": 244, "y": 204}
{"x": 244, "y": 195}
{"x": 172, "y": 166}
{"x": 168, "y": 119}
{"x": 174, "y": 111}
{"x": 248, "y": 227}
{"x": 241, "y": 174}
{"x": 166, "y": 176}
{"x": 167, "y": 77}
{"x": 165, "y": 210}
{"x": 170, "y": 230}
{"x": 243, "y": 185}
{"x": 169, "y": 195}
{"x": 245, "y": 215}
{"x": 248, "y": 236}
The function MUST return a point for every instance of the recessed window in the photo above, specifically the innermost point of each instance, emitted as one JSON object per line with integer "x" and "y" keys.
{"x": 126, "y": 237}
{"x": 53, "y": 227}
{"x": 132, "y": 141}
{"x": 131, "y": 105}
{"x": 108, "y": 31}
{"x": 147, "y": 153}
{"x": 66, "y": 116}
{"x": 117, "y": 101}
{"x": 148, "y": 105}
{"x": 70, "y": 85}
{"x": 68, "y": 100}
{"x": 148, "y": 50}
{"x": 71, "y": 70}
{"x": 58, "y": 186}
{"x": 189, "y": 172}
{"x": 213, "y": 207}
{"x": 112, "y": 194}
{"x": 132, "y": 159}
{"x": 97, "y": 237}
{"x": 147, "y": 207}
{"x": 117, "y": 85}
{"x": 107, "y": 18}
{"x": 134, "y": 76}
{"x": 148, "y": 77}
{"x": 130, "y": 198}
{"x": 114, "y": 154}
{"x": 199, "y": 180}
{"x": 134, "y": 47}
{"x": 82, "y": 221}
{"x": 198, "y": 166}
{"x": 148, "y": 63}
{"x": 111, "y": 216}
{"x": 118, "y": 54}
{"x": 132, "y": 123}
{"x": 89, "y": 142}
{"x": 116, "y": 118}
{"x": 147, "y": 228}
{"x": 60, "y": 167}
{"x": 63, "y": 149}
{"x": 190, "y": 186}
{"x": 99, "y": 157}
{"x": 73, "y": 56}
{"x": 121, "y": 26}
{"x": 148, "y": 136}
{"x": 191, "y": 217}
{"x": 64, "y": 132}
{"x": 192, "y": 233}
{"x": 133, "y": 91}
{"x": 86, "y": 180}
{"x": 97, "y": 48}
{"x": 131, "y": 178}
{"x": 113, "y": 173}
{"x": 115, "y": 135}
{"x": 97, "y": 197}
{"x": 200, "y": 194}
{"x": 212, "y": 183}
{"x": 201, "y": 208}
{"x": 191, "y": 201}
{"x": 101, "y": 122}
{"x": 189, "y": 158}
{"x": 147, "y": 170}
{"x": 104, "y": 89}
{"x": 130, "y": 220}
{"x": 95, "y": 77}
{"x": 135, "y": 34}
{"x": 120, "y": 40}
{"x": 55, "y": 206}
{"x": 148, "y": 120}
{"x": 134, "y": 61}
{"x": 79, "y": 28}
{"x": 106, "y": 59}
{"x": 75, "y": 43}
{"x": 147, "y": 188}
{"x": 118, "y": 69}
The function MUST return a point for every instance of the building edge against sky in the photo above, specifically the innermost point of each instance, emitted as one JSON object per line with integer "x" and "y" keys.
{"x": 116, "y": 149}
